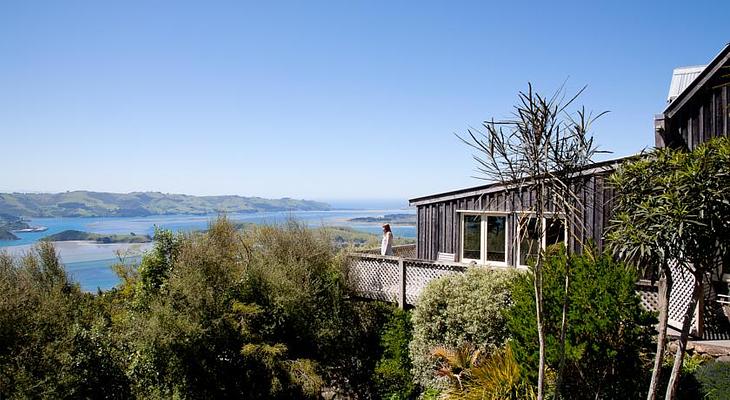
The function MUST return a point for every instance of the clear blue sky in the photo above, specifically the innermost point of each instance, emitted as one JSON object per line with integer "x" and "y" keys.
{"x": 323, "y": 100}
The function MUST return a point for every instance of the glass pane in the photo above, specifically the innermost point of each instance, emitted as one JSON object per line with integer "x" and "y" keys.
{"x": 529, "y": 240}
{"x": 472, "y": 237}
{"x": 496, "y": 231}
{"x": 554, "y": 231}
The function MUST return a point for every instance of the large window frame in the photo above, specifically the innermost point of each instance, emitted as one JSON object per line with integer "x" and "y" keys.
{"x": 484, "y": 240}
{"x": 520, "y": 217}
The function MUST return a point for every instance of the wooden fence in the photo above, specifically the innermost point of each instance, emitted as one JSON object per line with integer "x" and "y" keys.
{"x": 400, "y": 279}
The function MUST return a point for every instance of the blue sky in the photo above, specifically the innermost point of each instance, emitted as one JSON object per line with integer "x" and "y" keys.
{"x": 322, "y": 100}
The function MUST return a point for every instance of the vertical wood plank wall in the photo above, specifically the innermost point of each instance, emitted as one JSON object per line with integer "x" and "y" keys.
{"x": 707, "y": 117}
{"x": 439, "y": 224}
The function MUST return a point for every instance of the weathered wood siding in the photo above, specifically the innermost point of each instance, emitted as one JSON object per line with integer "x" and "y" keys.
{"x": 439, "y": 224}
{"x": 705, "y": 116}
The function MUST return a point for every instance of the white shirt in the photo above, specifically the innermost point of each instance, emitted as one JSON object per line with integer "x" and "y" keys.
{"x": 386, "y": 247}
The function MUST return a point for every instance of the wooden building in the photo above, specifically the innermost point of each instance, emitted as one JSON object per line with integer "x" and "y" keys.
{"x": 699, "y": 98}
{"x": 491, "y": 224}
{"x": 482, "y": 224}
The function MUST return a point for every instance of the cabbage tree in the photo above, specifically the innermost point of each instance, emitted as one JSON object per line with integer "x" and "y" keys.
{"x": 673, "y": 207}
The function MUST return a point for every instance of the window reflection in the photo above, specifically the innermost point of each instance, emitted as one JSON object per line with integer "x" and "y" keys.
{"x": 529, "y": 240}
{"x": 496, "y": 231}
{"x": 554, "y": 231}
{"x": 472, "y": 237}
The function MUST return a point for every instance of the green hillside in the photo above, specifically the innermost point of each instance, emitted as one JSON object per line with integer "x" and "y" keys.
{"x": 100, "y": 204}
{"x": 9, "y": 223}
{"x": 97, "y": 237}
{"x": 7, "y": 235}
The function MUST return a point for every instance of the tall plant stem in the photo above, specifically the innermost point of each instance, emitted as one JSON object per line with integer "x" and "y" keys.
{"x": 563, "y": 328}
{"x": 665, "y": 289}
{"x": 539, "y": 212}
{"x": 682, "y": 347}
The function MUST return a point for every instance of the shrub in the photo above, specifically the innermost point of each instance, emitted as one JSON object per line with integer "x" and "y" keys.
{"x": 54, "y": 341}
{"x": 230, "y": 314}
{"x": 607, "y": 331}
{"x": 392, "y": 376}
{"x": 472, "y": 375}
{"x": 714, "y": 380}
{"x": 457, "y": 310}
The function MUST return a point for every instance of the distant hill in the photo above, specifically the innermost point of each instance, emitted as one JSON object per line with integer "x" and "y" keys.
{"x": 9, "y": 223}
{"x": 7, "y": 235}
{"x": 136, "y": 204}
{"x": 97, "y": 237}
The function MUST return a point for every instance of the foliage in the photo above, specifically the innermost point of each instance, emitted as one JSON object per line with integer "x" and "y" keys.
{"x": 54, "y": 340}
{"x": 537, "y": 152}
{"x": 714, "y": 380}
{"x": 263, "y": 313}
{"x": 472, "y": 375}
{"x": 607, "y": 330}
{"x": 672, "y": 206}
{"x": 457, "y": 310}
{"x": 392, "y": 374}
{"x": 225, "y": 314}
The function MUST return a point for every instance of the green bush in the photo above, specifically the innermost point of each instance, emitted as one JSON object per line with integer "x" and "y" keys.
{"x": 607, "y": 329}
{"x": 714, "y": 380}
{"x": 231, "y": 314}
{"x": 392, "y": 376}
{"x": 54, "y": 339}
{"x": 457, "y": 310}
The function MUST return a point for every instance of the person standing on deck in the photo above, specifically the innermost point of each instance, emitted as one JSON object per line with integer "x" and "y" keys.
{"x": 386, "y": 247}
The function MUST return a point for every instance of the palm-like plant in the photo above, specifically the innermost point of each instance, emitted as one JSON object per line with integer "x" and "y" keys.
{"x": 456, "y": 364}
{"x": 475, "y": 375}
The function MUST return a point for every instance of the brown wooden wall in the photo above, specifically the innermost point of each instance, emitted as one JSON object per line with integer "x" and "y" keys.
{"x": 439, "y": 225}
{"x": 706, "y": 116}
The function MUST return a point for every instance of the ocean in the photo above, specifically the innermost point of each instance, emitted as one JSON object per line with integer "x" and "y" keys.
{"x": 90, "y": 263}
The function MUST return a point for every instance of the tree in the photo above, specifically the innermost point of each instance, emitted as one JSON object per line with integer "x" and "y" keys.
{"x": 673, "y": 207}
{"x": 607, "y": 330}
{"x": 538, "y": 151}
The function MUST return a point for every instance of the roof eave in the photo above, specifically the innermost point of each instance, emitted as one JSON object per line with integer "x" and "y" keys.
{"x": 720, "y": 59}
{"x": 602, "y": 166}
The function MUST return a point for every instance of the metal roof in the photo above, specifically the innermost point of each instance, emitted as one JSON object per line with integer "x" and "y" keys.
{"x": 695, "y": 85}
{"x": 681, "y": 78}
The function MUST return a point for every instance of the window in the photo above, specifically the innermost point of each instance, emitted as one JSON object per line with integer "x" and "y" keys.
{"x": 497, "y": 239}
{"x": 531, "y": 241}
{"x": 484, "y": 238}
{"x": 472, "y": 238}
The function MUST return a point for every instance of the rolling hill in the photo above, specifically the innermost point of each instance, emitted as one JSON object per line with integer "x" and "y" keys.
{"x": 102, "y": 204}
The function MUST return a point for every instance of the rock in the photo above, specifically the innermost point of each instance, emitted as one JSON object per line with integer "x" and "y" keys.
{"x": 711, "y": 350}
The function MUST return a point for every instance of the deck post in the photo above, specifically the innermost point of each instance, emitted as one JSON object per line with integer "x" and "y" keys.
{"x": 401, "y": 283}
